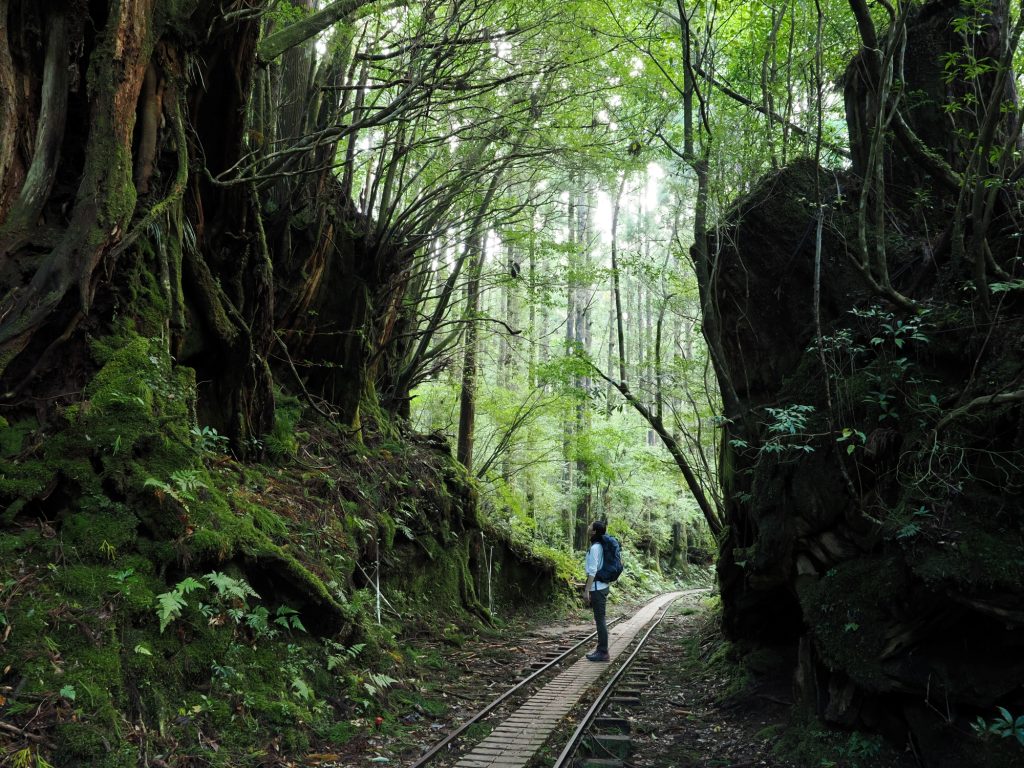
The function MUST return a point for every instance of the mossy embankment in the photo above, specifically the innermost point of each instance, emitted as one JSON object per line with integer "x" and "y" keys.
{"x": 162, "y": 601}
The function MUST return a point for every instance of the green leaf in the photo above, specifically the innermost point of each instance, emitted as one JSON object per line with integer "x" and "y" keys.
{"x": 908, "y": 531}
{"x": 143, "y": 650}
{"x": 169, "y": 606}
{"x": 1005, "y": 287}
{"x": 220, "y": 581}
{"x": 302, "y": 690}
{"x": 257, "y": 620}
{"x": 288, "y": 618}
{"x": 69, "y": 692}
{"x": 187, "y": 585}
{"x": 227, "y": 586}
{"x": 121, "y": 576}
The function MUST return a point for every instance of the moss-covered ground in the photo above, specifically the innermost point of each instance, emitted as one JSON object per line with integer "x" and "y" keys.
{"x": 162, "y": 603}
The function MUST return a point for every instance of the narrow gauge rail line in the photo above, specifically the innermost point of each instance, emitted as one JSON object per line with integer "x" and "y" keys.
{"x": 451, "y": 737}
{"x": 565, "y": 758}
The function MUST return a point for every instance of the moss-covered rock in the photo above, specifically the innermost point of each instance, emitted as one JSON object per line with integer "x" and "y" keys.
{"x": 882, "y": 536}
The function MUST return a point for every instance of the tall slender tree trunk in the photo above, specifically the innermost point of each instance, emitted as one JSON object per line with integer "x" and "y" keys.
{"x": 609, "y": 391}
{"x": 509, "y": 380}
{"x": 616, "y": 286}
{"x": 583, "y": 489}
{"x": 536, "y": 332}
{"x": 568, "y": 422}
{"x": 467, "y": 397}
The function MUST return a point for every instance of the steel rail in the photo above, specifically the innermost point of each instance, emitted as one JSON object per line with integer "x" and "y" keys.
{"x": 602, "y": 698}
{"x": 429, "y": 755}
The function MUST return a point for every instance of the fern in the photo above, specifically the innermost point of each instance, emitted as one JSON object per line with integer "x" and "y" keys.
{"x": 301, "y": 689}
{"x": 228, "y": 587}
{"x": 169, "y": 607}
{"x": 187, "y": 585}
{"x": 342, "y": 654}
{"x": 171, "y": 604}
{"x": 183, "y": 486}
{"x": 187, "y": 482}
{"x": 289, "y": 618}
{"x": 378, "y": 683}
{"x": 231, "y": 602}
{"x": 257, "y": 621}
{"x": 162, "y": 488}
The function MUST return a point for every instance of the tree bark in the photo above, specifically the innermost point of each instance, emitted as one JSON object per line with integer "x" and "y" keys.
{"x": 35, "y": 190}
{"x": 467, "y": 397}
{"x": 616, "y": 290}
{"x": 298, "y": 32}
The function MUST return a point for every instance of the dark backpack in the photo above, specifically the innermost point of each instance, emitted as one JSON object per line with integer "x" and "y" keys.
{"x": 612, "y": 568}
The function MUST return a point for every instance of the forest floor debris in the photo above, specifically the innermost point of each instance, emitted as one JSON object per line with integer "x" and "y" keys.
{"x": 695, "y": 714}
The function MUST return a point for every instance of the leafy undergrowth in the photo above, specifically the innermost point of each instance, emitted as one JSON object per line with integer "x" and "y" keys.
{"x": 107, "y": 658}
{"x": 164, "y": 604}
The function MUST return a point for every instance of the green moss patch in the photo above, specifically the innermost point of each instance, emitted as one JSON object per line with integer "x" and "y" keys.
{"x": 116, "y": 512}
{"x": 847, "y": 612}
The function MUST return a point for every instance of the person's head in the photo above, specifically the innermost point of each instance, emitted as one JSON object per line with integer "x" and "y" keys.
{"x": 597, "y": 529}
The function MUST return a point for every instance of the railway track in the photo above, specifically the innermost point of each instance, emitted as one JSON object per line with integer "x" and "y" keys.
{"x": 549, "y": 701}
{"x": 541, "y": 670}
{"x": 611, "y": 744}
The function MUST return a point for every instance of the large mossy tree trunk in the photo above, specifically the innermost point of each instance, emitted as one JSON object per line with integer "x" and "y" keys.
{"x": 124, "y": 126}
{"x": 150, "y": 93}
{"x": 136, "y": 294}
{"x": 874, "y": 507}
{"x": 156, "y": 275}
{"x": 333, "y": 281}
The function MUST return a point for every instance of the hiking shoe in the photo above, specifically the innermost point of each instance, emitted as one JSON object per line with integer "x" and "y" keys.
{"x": 598, "y": 656}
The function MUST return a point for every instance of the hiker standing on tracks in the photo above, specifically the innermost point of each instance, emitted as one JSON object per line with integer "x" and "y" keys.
{"x": 595, "y": 593}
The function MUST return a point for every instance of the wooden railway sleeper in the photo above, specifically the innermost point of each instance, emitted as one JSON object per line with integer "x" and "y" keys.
{"x": 608, "y": 750}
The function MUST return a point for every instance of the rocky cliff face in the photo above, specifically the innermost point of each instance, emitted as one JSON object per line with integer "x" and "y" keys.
{"x": 874, "y": 478}
{"x": 875, "y": 520}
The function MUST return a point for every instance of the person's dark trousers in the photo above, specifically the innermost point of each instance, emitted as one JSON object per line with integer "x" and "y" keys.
{"x": 598, "y": 601}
